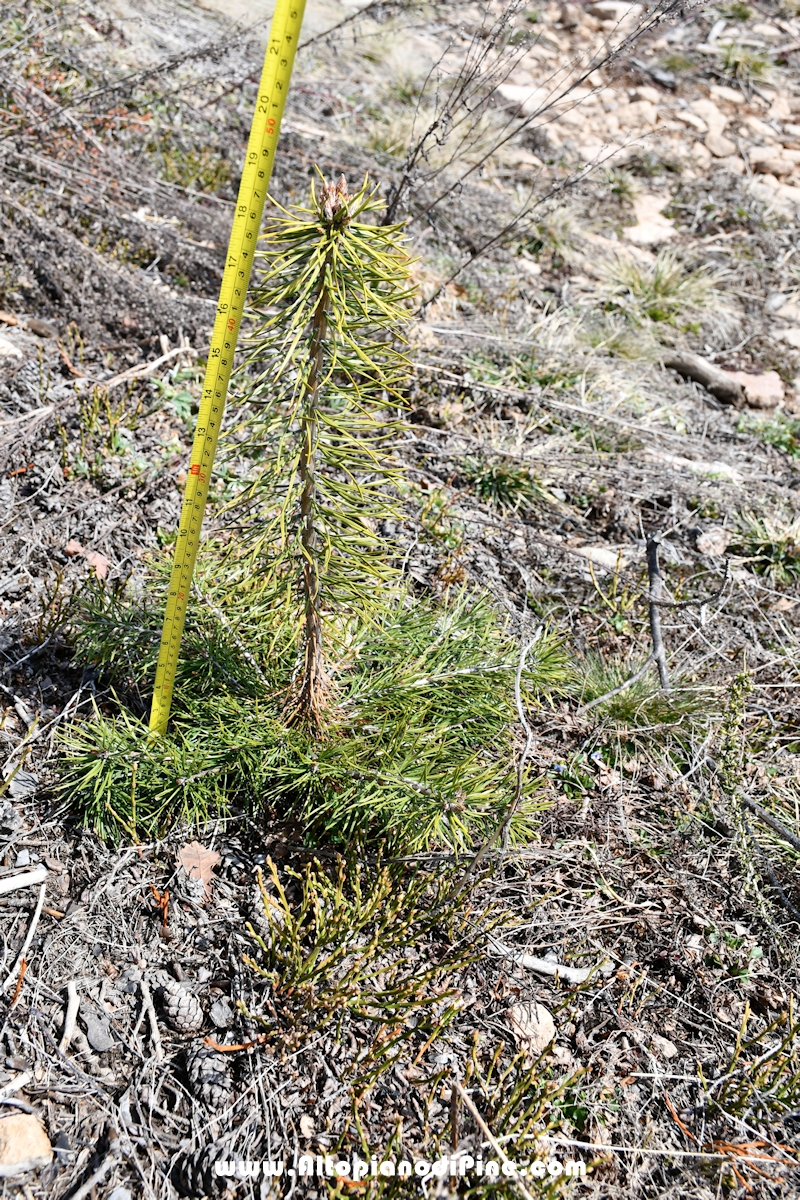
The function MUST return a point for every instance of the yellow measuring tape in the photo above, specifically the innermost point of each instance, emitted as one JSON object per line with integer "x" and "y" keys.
{"x": 283, "y": 37}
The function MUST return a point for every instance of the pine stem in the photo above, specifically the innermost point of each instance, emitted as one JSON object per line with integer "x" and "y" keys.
{"x": 311, "y": 697}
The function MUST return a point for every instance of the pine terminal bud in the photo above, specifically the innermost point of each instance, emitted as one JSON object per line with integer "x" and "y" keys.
{"x": 333, "y": 201}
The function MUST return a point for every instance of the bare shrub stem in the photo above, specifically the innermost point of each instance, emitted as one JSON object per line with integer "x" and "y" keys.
{"x": 656, "y": 595}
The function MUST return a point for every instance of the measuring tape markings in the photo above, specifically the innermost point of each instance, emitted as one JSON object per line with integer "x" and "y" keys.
{"x": 261, "y": 147}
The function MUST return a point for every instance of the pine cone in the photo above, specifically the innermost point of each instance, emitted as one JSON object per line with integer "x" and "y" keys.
{"x": 193, "y": 1174}
{"x": 181, "y": 1007}
{"x": 207, "y": 1073}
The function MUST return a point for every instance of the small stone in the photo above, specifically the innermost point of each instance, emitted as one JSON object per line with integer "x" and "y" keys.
{"x": 701, "y": 155}
{"x": 775, "y": 165}
{"x": 714, "y": 541}
{"x": 648, "y": 93}
{"x": 530, "y": 268}
{"x": 23, "y": 784}
{"x": 120, "y": 1193}
{"x": 790, "y": 336}
{"x": 571, "y": 16}
{"x": 8, "y": 349}
{"x": 23, "y": 859}
{"x": 532, "y": 1025}
{"x": 728, "y": 94}
{"x": 783, "y": 605}
{"x": 783, "y": 307}
{"x": 98, "y": 1030}
{"x": 614, "y": 10}
{"x": 41, "y": 328}
{"x": 652, "y": 226}
{"x": 734, "y": 164}
{"x": 720, "y": 146}
{"x": 663, "y": 1046}
{"x": 603, "y": 556}
{"x": 221, "y": 1013}
{"x": 24, "y": 1145}
{"x": 761, "y": 391}
{"x": 707, "y": 111}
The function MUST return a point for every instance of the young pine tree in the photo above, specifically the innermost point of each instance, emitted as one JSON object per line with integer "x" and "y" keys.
{"x": 325, "y": 368}
{"x": 312, "y": 683}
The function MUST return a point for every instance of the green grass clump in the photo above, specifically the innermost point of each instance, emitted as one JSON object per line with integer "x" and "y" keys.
{"x": 736, "y": 11}
{"x": 621, "y": 184}
{"x": 780, "y": 431}
{"x": 678, "y": 63}
{"x": 556, "y": 234}
{"x": 663, "y": 291}
{"x": 201, "y": 170}
{"x": 521, "y": 371}
{"x": 644, "y": 703}
{"x": 504, "y": 485}
{"x": 771, "y": 546}
{"x": 742, "y": 63}
{"x": 642, "y": 723}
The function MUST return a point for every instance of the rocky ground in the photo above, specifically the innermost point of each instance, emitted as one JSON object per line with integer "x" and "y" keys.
{"x": 603, "y": 200}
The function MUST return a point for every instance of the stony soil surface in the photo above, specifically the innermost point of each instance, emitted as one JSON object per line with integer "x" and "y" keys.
{"x": 598, "y": 204}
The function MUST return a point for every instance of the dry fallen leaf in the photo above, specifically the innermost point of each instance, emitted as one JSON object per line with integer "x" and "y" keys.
{"x": 98, "y": 561}
{"x": 714, "y": 541}
{"x": 609, "y": 778}
{"x": 663, "y": 1046}
{"x": 307, "y": 1127}
{"x": 198, "y": 862}
{"x": 532, "y": 1025}
{"x": 783, "y": 605}
{"x": 93, "y": 557}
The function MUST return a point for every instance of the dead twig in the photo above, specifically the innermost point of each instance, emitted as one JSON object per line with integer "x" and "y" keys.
{"x": 23, "y": 966}
{"x": 27, "y": 879}
{"x": 656, "y": 586}
{"x": 70, "y": 1017}
{"x": 775, "y": 825}
{"x": 616, "y": 691}
{"x": 523, "y": 758}
{"x": 26, "y": 945}
{"x": 706, "y": 600}
{"x": 712, "y": 378}
{"x": 542, "y": 966}
{"x": 155, "y": 1033}
{"x": 110, "y": 1160}
{"x": 768, "y": 871}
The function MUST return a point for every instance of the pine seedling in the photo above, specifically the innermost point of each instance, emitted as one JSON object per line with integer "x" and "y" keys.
{"x": 332, "y": 307}
{"x": 314, "y": 684}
